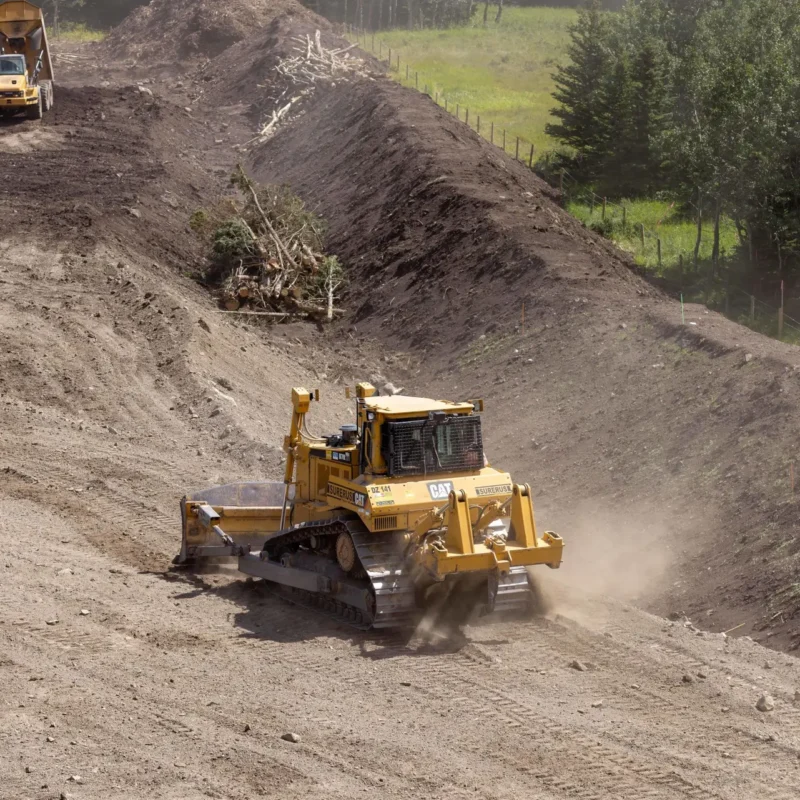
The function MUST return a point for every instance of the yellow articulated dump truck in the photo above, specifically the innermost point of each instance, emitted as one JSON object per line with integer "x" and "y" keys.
{"x": 26, "y": 70}
{"x": 375, "y": 523}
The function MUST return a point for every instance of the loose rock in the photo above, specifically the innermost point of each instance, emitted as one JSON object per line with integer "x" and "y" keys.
{"x": 578, "y": 665}
{"x": 765, "y": 703}
{"x": 290, "y": 737}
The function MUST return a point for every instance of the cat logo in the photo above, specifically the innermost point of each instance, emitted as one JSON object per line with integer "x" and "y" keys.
{"x": 440, "y": 490}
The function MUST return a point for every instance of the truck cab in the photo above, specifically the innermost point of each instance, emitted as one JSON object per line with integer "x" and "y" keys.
{"x": 26, "y": 72}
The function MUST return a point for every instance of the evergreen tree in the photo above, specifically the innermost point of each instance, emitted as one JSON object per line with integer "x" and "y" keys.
{"x": 617, "y": 172}
{"x": 580, "y": 88}
{"x": 650, "y": 88}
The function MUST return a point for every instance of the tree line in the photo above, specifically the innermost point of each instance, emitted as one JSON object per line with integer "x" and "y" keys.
{"x": 95, "y": 13}
{"x": 699, "y": 99}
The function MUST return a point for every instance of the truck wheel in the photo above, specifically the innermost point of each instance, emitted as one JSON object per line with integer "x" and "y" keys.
{"x": 35, "y": 112}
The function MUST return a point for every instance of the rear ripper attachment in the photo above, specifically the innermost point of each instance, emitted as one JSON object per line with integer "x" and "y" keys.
{"x": 378, "y": 521}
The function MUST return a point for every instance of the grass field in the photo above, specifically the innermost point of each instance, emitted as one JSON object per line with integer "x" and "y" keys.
{"x": 661, "y": 221}
{"x": 74, "y": 32}
{"x": 502, "y": 72}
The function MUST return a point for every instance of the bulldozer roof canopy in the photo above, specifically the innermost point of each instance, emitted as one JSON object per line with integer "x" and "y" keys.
{"x": 408, "y": 406}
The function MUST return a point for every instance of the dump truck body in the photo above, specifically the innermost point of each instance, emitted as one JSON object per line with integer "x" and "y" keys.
{"x": 26, "y": 69}
{"x": 372, "y": 521}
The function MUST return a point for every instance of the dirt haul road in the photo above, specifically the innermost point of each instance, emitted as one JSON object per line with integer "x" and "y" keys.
{"x": 119, "y": 388}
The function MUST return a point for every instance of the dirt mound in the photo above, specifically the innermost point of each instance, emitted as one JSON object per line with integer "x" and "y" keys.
{"x": 453, "y": 225}
{"x": 179, "y": 30}
{"x": 648, "y": 437}
{"x": 255, "y": 76}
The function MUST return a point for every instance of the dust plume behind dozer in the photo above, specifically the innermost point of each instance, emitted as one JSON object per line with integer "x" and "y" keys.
{"x": 381, "y": 520}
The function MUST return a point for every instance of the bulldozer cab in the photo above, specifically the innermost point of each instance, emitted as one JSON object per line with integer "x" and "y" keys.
{"x": 395, "y": 439}
{"x": 408, "y": 436}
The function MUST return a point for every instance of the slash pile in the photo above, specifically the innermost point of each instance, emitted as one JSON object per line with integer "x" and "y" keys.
{"x": 314, "y": 64}
{"x": 266, "y": 254}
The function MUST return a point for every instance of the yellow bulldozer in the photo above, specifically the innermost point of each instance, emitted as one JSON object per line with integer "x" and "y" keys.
{"x": 26, "y": 70}
{"x": 377, "y": 522}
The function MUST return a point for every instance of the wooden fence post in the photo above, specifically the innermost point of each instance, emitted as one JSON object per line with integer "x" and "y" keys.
{"x": 658, "y": 244}
{"x": 408, "y": 71}
{"x": 530, "y": 159}
{"x": 516, "y": 152}
{"x": 479, "y": 123}
{"x": 458, "y": 109}
{"x": 641, "y": 233}
{"x": 416, "y": 80}
{"x": 466, "y": 117}
{"x": 780, "y": 315}
{"x": 727, "y": 292}
{"x": 437, "y": 98}
{"x": 504, "y": 140}
{"x": 491, "y": 136}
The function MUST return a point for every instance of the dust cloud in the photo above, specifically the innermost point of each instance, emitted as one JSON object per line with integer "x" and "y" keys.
{"x": 626, "y": 554}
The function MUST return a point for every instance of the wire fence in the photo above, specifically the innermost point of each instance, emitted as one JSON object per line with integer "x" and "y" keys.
{"x": 518, "y": 147}
{"x": 652, "y": 250}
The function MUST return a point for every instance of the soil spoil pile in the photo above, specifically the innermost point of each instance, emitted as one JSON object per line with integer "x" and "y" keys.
{"x": 450, "y": 222}
{"x": 281, "y": 66}
{"x": 167, "y": 31}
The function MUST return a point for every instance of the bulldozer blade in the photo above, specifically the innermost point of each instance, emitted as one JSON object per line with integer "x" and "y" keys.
{"x": 229, "y": 520}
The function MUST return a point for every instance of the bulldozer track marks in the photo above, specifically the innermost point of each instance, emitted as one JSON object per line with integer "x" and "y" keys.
{"x": 67, "y": 638}
{"x": 613, "y": 770}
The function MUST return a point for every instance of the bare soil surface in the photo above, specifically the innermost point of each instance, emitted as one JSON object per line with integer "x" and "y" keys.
{"x": 650, "y": 444}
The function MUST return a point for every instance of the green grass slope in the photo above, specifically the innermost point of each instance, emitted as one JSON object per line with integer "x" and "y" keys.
{"x": 502, "y": 72}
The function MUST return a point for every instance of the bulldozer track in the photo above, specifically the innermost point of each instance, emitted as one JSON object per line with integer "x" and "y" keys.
{"x": 382, "y": 558}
